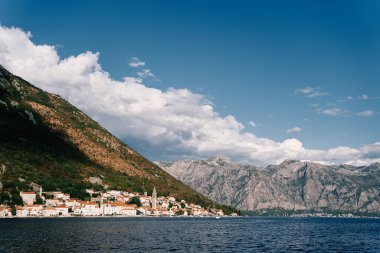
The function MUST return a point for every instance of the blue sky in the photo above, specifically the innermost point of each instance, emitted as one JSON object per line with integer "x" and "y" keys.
{"x": 280, "y": 64}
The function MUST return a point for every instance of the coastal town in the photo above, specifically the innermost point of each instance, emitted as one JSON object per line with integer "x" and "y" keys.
{"x": 38, "y": 203}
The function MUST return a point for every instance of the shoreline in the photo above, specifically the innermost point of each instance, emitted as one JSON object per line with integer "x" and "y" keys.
{"x": 116, "y": 216}
{"x": 189, "y": 217}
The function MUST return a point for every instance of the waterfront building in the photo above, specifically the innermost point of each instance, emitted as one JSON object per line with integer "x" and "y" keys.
{"x": 49, "y": 211}
{"x": 87, "y": 209}
{"x": 34, "y": 210}
{"x": 5, "y": 211}
{"x": 128, "y": 210}
{"x": 62, "y": 210}
{"x": 110, "y": 208}
{"x": 21, "y": 211}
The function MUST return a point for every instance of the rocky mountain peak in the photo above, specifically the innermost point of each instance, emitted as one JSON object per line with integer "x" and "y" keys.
{"x": 222, "y": 161}
{"x": 291, "y": 185}
{"x": 291, "y": 164}
{"x": 217, "y": 159}
{"x": 291, "y": 161}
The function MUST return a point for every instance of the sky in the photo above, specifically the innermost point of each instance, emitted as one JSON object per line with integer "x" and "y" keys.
{"x": 254, "y": 81}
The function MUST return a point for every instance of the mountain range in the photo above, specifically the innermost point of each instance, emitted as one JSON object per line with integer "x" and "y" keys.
{"x": 47, "y": 141}
{"x": 291, "y": 186}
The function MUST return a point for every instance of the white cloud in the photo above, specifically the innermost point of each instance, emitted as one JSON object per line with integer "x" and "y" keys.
{"x": 311, "y": 92}
{"x": 349, "y": 98}
{"x": 306, "y": 90}
{"x": 363, "y": 97}
{"x": 252, "y": 123}
{"x": 146, "y": 73}
{"x": 134, "y": 62}
{"x": 330, "y": 111}
{"x": 165, "y": 124}
{"x": 368, "y": 113}
{"x": 368, "y": 154}
{"x": 294, "y": 130}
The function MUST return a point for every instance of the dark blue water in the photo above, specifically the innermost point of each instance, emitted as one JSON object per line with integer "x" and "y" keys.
{"x": 190, "y": 235}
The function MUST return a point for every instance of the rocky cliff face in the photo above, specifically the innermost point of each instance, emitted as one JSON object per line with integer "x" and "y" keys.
{"x": 292, "y": 185}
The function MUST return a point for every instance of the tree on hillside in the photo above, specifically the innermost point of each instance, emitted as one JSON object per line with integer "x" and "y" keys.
{"x": 135, "y": 200}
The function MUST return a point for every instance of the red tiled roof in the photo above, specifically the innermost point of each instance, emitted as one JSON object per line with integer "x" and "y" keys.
{"x": 91, "y": 204}
{"x": 27, "y": 193}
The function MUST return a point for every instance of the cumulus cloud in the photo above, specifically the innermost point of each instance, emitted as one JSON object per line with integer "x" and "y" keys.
{"x": 163, "y": 124}
{"x": 311, "y": 92}
{"x": 367, "y": 113}
{"x": 294, "y": 130}
{"x": 134, "y": 62}
{"x": 363, "y": 97}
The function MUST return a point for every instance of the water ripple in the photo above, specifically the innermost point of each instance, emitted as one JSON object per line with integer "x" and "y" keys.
{"x": 189, "y": 235}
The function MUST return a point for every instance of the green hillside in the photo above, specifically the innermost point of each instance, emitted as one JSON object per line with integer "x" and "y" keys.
{"x": 46, "y": 140}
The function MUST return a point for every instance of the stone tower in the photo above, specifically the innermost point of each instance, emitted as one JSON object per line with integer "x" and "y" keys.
{"x": 154, "y": 198}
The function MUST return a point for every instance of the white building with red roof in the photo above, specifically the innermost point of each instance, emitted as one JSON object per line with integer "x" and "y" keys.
{"x": 118, "y": 208}
{"x": 62, "y": 210}
{"x": 128, "y": 210}
{"x": 21, "y": 211}
{"x": 48, "y": 211}
{"x": 34, "y": 210}
{"x": 87, "y": 209}
{"x": 71, "y": 203}
{"x": 53, "y": 202}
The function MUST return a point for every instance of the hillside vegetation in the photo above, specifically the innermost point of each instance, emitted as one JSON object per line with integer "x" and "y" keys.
{"x": 46, "y": 140}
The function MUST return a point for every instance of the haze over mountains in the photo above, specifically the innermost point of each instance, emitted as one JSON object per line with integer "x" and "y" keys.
{"x": 291, "y": 185}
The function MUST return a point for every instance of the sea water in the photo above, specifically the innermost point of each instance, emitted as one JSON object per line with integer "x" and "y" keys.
{"x": 246, "y": 234}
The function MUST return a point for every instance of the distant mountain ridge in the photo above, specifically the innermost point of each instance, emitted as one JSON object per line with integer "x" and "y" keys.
{"x": 46, "y": 140}
{"x": 291, "y": 185}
